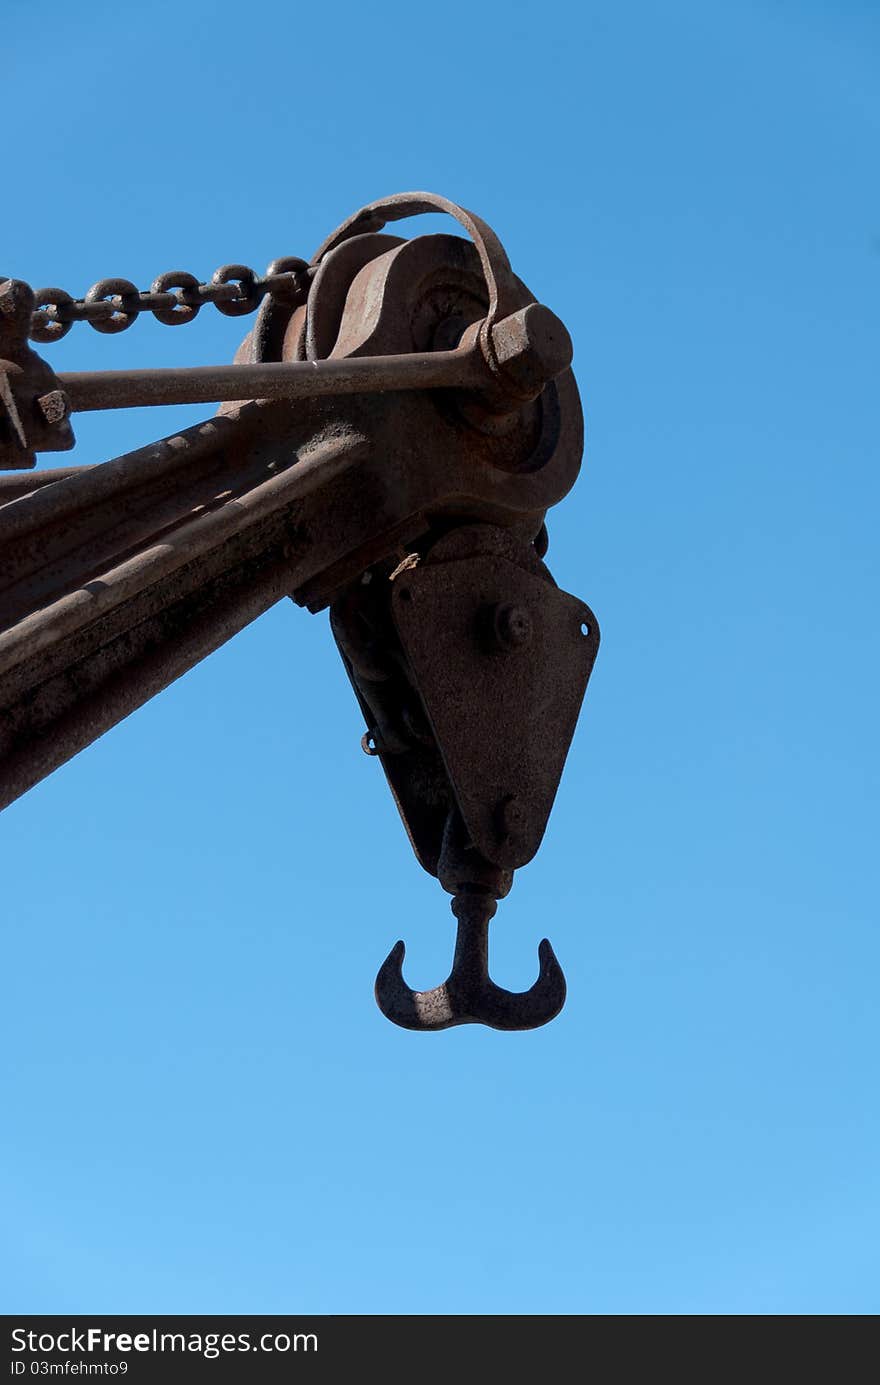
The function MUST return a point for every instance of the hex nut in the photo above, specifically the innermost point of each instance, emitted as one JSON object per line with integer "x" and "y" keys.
{"x": 54, "y": 406}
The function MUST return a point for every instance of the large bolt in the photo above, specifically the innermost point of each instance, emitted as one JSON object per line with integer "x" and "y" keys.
{"x": 530, "y": 347}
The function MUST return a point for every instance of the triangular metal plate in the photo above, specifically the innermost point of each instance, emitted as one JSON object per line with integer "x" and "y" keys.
{"x": 503, "y": 718}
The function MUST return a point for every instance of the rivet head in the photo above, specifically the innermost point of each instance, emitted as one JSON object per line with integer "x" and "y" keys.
{"x": 511, "y": 627}
{"x": 511, "y": 816}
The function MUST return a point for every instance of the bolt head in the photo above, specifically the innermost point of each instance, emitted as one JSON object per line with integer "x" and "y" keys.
{"x": 531, "y": 347}
{"x": 54, "y": 407}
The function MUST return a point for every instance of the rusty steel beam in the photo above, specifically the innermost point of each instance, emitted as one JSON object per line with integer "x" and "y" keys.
{"x": 141, "y": 663}
{"x": 186, "y": 543}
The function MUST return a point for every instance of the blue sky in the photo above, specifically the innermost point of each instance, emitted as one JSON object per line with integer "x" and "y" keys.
{"x": 202, "y": 1109}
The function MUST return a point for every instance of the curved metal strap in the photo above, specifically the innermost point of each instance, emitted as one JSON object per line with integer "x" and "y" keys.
{"x": 504, "y": 296}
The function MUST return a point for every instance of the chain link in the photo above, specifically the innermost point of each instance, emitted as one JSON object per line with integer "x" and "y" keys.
{"x": 175, "y": 297}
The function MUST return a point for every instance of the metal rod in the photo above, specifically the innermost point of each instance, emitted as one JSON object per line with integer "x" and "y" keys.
{"x": 463, "y": 368}
{"x": 97, "y": 484}
{"x": 13, "y": 486}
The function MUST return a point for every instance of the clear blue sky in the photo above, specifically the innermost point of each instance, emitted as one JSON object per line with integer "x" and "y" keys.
{"x": 202, "y": 1109}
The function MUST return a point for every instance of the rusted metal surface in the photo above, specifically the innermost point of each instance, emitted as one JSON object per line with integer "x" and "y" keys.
{"x": 501, "y": 658}
{"x": 412, "y": 418}
{"x": 13, "y": 487}
{"x": 33, "y": 407}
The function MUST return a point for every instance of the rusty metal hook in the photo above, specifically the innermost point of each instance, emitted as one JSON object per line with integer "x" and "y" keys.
{"x": 469, "y": 996}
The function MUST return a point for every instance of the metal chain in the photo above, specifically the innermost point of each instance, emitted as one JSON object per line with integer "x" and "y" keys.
{"x": 174, "y": 298}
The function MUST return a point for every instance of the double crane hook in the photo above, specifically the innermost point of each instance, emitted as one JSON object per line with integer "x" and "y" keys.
{"x": 469, "y": 995}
